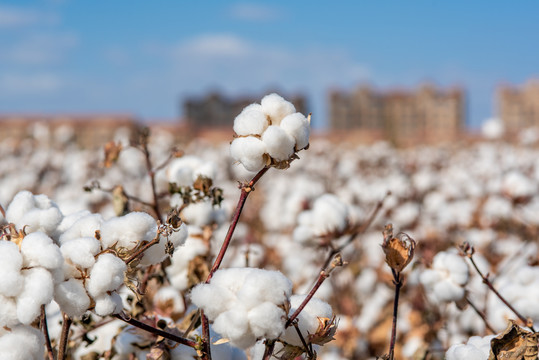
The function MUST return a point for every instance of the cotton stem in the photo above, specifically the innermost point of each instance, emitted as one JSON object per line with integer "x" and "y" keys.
{"x": 481, "y": 315}
{"x": 397, "y": 280}
{"x": 64, "y": 337}
{"x": 268, "y": 351}
{"x": 45, "y": 329}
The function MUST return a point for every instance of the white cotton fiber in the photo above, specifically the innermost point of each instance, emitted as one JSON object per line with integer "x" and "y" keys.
{"x": 213, "y": 299}
{"x": 279, "y": 144}
{"x": 477, "y": 348}
{"x": 168, "y": 294}
{"x": 36, "y": 212}
{"x": 267, "y": 320}
{"x": 8, "y": 312}
{"x": 107, "y": 275}
{"x": 249, "y": 151}
{"x": 81, "y": 251}
{"x": 445, "y": 281}
{"x": 307, "y": 319}
{"x": 254, "y": 289}
{"x": 85, "y": 226}
{"x": 11, "y": 281}
{"x": 71, "y": 297}
{"x": 251, "y": 121}
{"x": 38, "y": 290}
{"x": 22, "y": 343}
{"x": 298, "y": 127}
{"x": 108, "y": 304}
{"x": 178, "y": 237}
{"x": 234, "y": 325}
{"x": 155, "y": 253}
{"x": 127, "y": 231}
{"x": 276, "y": 108}
{"x": 38, "y": 249}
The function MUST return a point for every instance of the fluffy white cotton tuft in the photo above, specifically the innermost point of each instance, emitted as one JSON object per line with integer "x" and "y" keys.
{"x": 81, "y": 252}
{"x": 11, "y": 280}
{"x": 276, "y": 108}
{"x": 85, "y": 226}
{"x": 71, "y": 297}
{"x": 279, "y": 144}
{"x": 445, "y": 281}
{"x": 127, "y": 231}
{"x": 299, "y": 128}
{"x": 8, "y": 312}
{"x": 38, "y": 249}
{"x": 477, "y": 348}
{"x": 108, "y": 304}
{"x": 251, "y": 121}
{"x": 107, "y": 275}
{"x": 22, "y": 343}
{"x": 249, "y": 151}
{"x": 36, "y": 212}
{"x": 37, "y": 291}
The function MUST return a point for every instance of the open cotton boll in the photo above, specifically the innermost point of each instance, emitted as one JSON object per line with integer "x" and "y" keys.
{"x": 84, "y": 226}
{"x": 37, "y": 291}
{"x": 251, "y": 121}
{"x": 234, "y": 325}
{"x": 108, "y": 304}
{"x": 445, "y": 281}
{"x": 477, "y": 348}
{"x": 181, "y": 171}
{"x": 22, "y": 343}
{"x": 199, "y": 214}
{"x": 8, "y": 312}
{"x": 128, "y": 230}
{"x": 276, "y": 108}
{"x": 154, "y": 254}
{"x": 36, "y": 212}
{"x": 298, "y": 127}
{"x": 307, "y": 319}
{"x": 267, "y": 320}
{"x": 256, "y": 288}
{"x": 279, "y": 144}
{"x": 71, "y": 297}
{"x": 169, "y": 298}
{"x": 177, "y": 271}
{"x": 38, "y": 249}
{"x": 11, "y": 280}
{"x": 81, "y": 252}
{"x": 213, "y": 299}
{"x": 249, "y": 151}
{"x": 107, "y": 275}
{"x": 178, "y": 237}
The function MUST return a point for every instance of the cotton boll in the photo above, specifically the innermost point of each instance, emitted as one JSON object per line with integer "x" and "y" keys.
{"x": 107, "y": 275}
{"x": 167, "y": 297}
{"x": 255, "y": 289}
{"x": 445, "y": 281}
{"x": 108, "y": 304}
{"x": 38, "y": 249}
{"x": 179, "y": 236}
{"x": 251, "y": 121}
{"x": 181, "y": 171}
{"x": 37, "y": 291}
{"x": 477, "y": 348}
{"x": 8, "y": 312}
{"x": 71, "y": 297}
{"x": 298, "y": 126}
{"x": 276, "y": 108}
{"x": 22, "y": 343}
{"x": 154, "y": 254}
{"x": 36, "y": 212}
{"x": 11, "y": 280}
{"x": 279, "y": 144}
{"x": 213, "y": 299}
{"x": 127, "y": 231}
{"x": 307, "y": 319}
{"x": 198, "y": 214}
{"x": 266, "y": 320}
{"x": 81, "y": 251}
{"x": 249, "y": 151}
{"x": 234, "y": 325}
{"x": 84, "y": 226}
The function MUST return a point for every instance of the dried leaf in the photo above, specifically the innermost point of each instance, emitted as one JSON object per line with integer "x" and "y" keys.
{"x": 325, "y": 331}
{"x": 203, "y": 184}
{"x": 120, "y": 202}
{"x": 112, "y": 152}
{"x": 197, "y": 271}
{"x": 514, "y": 343}
{"x": 221, "y": 341}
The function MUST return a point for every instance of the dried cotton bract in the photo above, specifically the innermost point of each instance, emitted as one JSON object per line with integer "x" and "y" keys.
{"x": 269, "y": 133}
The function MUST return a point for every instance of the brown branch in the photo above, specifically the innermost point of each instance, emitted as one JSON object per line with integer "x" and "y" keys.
{"x": 64, "y": 337}
{"x": 45, "y": 329}
{"x": 303, "y": 342}
{"x": 397, "y": 280}
{"x": 156, "y": 331}
{"x": 321, "y": 277}
{"x": 489, "y": 284}
{"x": 268, "y": 351}
{"x": 205, "y": 336}
{"x": 151, "y": 173}
{"x": 246, "y": 189}
{"x": 154, "y": 241}
{"x": 2, "y": 211}
{"x": 481, "y": 315}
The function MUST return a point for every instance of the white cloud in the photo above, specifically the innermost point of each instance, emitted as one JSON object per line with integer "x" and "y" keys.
{"x": 254, "y": 12}
{"x": 15, "y": 17}
{"x": 39, "y": 49}
{"x": 213, "y": 46}
{"x": 29, "y": 84}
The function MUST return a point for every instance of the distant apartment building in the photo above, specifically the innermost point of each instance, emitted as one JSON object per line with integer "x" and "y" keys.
{"x": 85, "y": 130}
{"x": 217, "y": 111}
{"x": 427, "y": 115}
{"x": 518, "y": 108}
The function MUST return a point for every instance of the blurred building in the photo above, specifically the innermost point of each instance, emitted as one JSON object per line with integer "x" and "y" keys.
{"x": 427, "y": 115}
{"x": 518, "y": 107}
{"x": 85, "y": 130}
{"x": 217, "y": 111}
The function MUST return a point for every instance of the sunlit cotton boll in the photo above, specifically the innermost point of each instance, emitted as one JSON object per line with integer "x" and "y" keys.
{"x": 279, "y": 144}
{"x": 38, "y": 290}
{"x": 11, "y": 280}
{"x": 157, "y": 253}
{"x": 445, "y": 281}
{"x": 299, "y": 128}
{"x": 249, "y": 151}
{"x": 251, "y": 121}
{"x": 81, "y": 252}
{"x": 38, "y": 249}
{"x": 477, "y": 348}
{"x": 107, "y": 275}
{"x": 82, "y": 224}
{"x": 71, "y": 297}
{"x": 276, "y": 108}
{"x": 127, "y": 231}
{"x": 36, "y": 212}
{"x": 22, "y": 343}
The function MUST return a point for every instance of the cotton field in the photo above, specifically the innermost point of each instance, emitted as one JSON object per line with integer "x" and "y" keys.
{"x": 144, "y": 251}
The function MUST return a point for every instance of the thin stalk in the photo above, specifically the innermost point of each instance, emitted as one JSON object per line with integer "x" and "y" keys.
{"x": 398, "y": 284}
{"x": 151, "y": 173}
{"x": 156, "y": 331}
{"x": 64, "y": 337}
{"x": 245, "y": 191}
{"x": 45, "y": 329}
{"x": 154, "y": 241}
{"x": 307, "y": 348}
{"x": 323, "y": 276}
{"x": 268, "y": 351}
{"x": 489, "y": 284}
{"x": 205, "y": 336}
{"x": 481, "y": 315}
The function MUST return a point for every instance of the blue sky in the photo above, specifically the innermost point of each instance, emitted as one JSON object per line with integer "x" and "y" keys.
{"x": 144, "y": 57}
